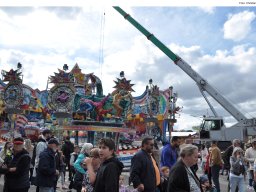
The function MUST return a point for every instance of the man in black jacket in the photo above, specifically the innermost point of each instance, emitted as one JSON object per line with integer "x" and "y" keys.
{"x": 67, "y": 149}
{"x": 145, "y": 174}
{"x": 17, "y": 172}
{"x": 46, "y": 172}
{"x": 182, "y": 178}
{"x": 107, "y": 179}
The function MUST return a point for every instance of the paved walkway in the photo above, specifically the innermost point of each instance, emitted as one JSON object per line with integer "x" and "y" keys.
{"x": 223, "y": 183}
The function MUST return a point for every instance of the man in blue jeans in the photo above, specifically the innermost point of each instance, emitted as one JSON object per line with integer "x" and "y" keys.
{"x": 215, "y": 163}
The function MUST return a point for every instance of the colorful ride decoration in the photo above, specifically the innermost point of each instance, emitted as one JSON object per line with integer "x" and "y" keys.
{"x": 13, "y": 92}
{"x": 2, "y": 106}
{"x": 61, "y": 95}
{"x": 21, "y": 103}
{"x": 87, "y": 84}
{"x": 122, "y": 98}
{"x": 153, "y": 96}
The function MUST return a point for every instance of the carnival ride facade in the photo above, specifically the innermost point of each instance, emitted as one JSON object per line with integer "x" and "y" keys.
{"x": 76, "y": 104}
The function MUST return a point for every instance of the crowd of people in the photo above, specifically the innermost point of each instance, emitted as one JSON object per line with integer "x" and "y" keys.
{"x": 97, "y": 169}
{"x": 179, "y": 164}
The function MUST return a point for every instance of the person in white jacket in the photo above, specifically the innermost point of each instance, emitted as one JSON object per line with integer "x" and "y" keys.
{"x": 204, "y": 153}
{"x": 250, "y": 156}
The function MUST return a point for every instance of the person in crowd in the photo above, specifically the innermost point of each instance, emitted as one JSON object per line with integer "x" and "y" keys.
{"x": 122, "y": 187}
{"x": 237, "y": 170}
{"x": 72, "y": 161}
{"x": 169, "y": 154}
{"x": 30, "y": 148}
{"x": 80, "y": 166}
{"x": 92, "y": 165}
{"x": 254, "y": 171}
{"x": 17, "y": 172}
{"x": 226, "y": 158}
{"x": 86, "y": 148}
{"x": 42, "y": 144}
{"x": 6, "y": 153}
{"x": 228, "y": 153}
{"x": 215, "y": 164}
{"x": 107, "y": 179}
{"x": 40, "y": 147}
{"x": 47, "y": 173}
{"x": 207, "y": 168}
{"x": 67, "y": 149}
{"x": 144, "y": 173}
{"x": 204, "y": 181}
{"x": 250, "y": 156}
{"x": 60, "y": 166}
{"x": 182, "y": 177}
{"x": 204, "y": 153}
{"x": 79, "y": 177}
{"x": 165, "y": 171}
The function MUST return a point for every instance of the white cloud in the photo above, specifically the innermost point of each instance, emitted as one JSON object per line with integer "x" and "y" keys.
{"x": 238, "y": 26}
{"x": 209, "y": 10}
{"x": 186, "y": 122}
{"x": 36, "y": 67}
{"x": 241, "y": 56}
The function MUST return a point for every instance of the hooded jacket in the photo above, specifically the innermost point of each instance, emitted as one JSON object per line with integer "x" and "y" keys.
{"x": 41, "y": 146}
{"x": 67, "y": 149}
{"x": 107, "y": 179}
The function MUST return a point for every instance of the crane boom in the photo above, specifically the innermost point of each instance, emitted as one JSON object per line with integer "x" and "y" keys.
{"x": 201, "y": 82}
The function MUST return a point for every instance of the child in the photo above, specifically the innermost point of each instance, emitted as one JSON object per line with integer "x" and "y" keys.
{"x": 122, "y": 187}
{"x": 206, "y": 185}
{"x": 164, "y": 178}
{"x": 107, "y": 179}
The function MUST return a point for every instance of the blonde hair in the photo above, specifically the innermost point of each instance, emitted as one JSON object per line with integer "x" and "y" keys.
{"x": 164, "y": 168}
{"x": 95, "y": 152}
{"x": 28, "y": 145}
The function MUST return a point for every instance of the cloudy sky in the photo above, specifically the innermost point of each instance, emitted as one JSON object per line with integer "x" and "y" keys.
{"x": 218, "y": 42}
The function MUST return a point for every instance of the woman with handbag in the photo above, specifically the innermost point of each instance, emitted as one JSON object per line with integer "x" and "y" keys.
{"x": 237, "y": 170}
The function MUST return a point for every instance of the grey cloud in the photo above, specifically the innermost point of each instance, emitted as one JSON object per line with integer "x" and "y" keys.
{"x": 65, "y": 12}
{"x": 227, "y": 79}
{"x": 13, "y": 11}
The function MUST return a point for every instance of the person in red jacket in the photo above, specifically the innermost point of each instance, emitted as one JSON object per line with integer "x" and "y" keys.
{"x": 207, "y": 168}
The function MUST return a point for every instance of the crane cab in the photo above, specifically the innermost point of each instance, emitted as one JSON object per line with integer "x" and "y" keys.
{"x": 211, "y": 128}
